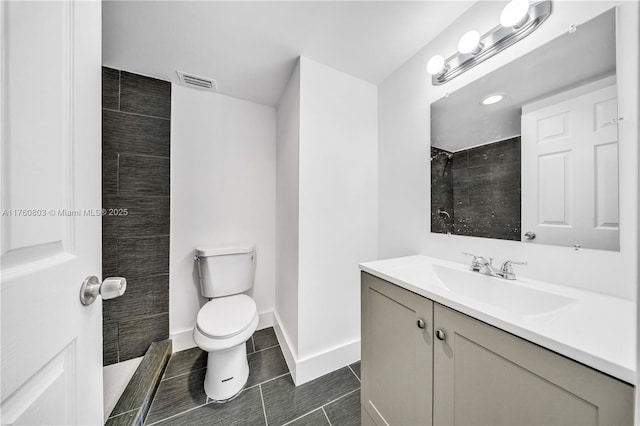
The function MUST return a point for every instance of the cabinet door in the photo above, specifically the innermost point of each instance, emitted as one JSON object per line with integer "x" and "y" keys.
{"x": 397, "y": 355}
{"x": 485, "y": 376}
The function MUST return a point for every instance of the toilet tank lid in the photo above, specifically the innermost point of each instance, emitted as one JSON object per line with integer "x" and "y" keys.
{"x": 224, "y": 249}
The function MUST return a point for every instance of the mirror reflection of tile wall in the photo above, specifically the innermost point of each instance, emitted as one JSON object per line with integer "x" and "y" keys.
{"x": 476, "y": 192}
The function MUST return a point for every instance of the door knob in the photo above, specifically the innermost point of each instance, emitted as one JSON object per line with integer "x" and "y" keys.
{"x": 110, "y": 288}
{"x": 440, "y": 334}
{"x": 421, "y": 324}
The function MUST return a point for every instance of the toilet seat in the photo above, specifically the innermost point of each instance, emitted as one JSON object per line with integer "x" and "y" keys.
{"x": 226, "y": 317}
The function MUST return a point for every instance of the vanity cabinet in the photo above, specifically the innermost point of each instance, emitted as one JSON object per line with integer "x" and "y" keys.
{"x": 459, "y": 370}
{"x": 397, "y": 349}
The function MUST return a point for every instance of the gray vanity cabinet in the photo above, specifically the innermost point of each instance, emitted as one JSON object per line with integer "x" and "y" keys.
{"x": 461, "y": 371}
{"x": 397, "y": 348}
{"x": 485, "y": 376}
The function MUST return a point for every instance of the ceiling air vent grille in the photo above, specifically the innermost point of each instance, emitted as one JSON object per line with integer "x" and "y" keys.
{"x": 197, "y": 81}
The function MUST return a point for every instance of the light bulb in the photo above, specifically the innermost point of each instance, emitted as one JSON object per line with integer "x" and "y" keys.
{"x": 515, "y": 14}
{"x": 492, "y": 99}
{"x": 435, "y": 65}
{"x": 469, "y": 43}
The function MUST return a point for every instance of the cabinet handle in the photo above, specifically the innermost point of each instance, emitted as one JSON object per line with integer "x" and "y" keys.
{"x": 440, "y": 335}
{"x": 421, "y": 324}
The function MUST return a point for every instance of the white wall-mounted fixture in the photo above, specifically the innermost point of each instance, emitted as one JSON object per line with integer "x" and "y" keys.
{"x": 515, "y": 14}
{"x": 436, "y": 65}
{"x": 492, "y": 99}
{"x": 470, "y": 43}
{"x": 518, "y": 19}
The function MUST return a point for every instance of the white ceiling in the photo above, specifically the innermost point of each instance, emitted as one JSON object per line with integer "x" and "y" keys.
{"x": 250, "y": 48}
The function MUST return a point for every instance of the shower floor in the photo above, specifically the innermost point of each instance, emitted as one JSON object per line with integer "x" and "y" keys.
{"x": 270, "y": 397}
{"x": 115, "y": 379}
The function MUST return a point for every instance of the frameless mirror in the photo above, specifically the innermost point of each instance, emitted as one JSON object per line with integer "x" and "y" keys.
{"x": 529, "y": 152}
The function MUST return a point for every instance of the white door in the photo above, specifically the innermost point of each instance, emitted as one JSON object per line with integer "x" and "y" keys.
{"x": 570, "y": 168}
{"x": 51, "y": 350}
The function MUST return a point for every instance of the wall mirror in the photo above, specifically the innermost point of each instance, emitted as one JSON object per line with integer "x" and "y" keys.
{"x": 529, "y": 152}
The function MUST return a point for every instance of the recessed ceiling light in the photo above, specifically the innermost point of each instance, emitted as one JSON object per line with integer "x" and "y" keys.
{"x": 492, "y": 99}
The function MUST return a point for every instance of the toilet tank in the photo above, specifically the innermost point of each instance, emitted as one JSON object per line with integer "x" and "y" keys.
{"x": 226, "y": 269}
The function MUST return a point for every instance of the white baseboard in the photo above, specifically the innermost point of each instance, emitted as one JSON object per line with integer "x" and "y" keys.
{"x": 316, "y": 365}
{"x": 182, "y": 340}
{"x": 285, "y": 346}
{"x": 327, "y": 361}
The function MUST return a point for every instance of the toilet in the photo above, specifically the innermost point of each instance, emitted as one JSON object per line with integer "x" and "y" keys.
{"x": 228, "y": 319}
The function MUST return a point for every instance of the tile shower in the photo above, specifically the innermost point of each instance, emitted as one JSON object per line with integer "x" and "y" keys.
{"x": 476, "y": 192}
{"x": 136, "y": 125}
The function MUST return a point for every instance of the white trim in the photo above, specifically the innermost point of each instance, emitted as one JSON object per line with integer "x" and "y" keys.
{"x": 182, "y": 340}
{"x": 327, "y": 361}
{"x": 266, "y": 320}
{"x": 288, "y": 351}
{"x": 316, "y": 365}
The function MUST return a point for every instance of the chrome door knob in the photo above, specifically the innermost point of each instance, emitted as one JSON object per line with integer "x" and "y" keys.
{"x": 421, "y": 324}
{"x": 440, "y": 334}
{"x": 110, "y": 288}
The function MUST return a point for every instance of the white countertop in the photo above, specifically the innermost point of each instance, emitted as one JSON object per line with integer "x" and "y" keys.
{"x": 594, "y": 329}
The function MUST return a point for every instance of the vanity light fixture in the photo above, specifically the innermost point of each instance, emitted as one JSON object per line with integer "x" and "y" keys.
{"x": 515, "y": 14}
{"x": 470, "y": 43}
{"x": 492, "y": 99}
{"x": 436, "y": 65}
{"x": 518, "y": 19}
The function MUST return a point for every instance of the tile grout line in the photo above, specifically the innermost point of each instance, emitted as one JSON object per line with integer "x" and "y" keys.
{"x": 264, "y": 409}
{"x": 299, "y": 417}
{"x": 267, "y": 381}
{"x": 354, "y": 373}
{"x": 182, "y": 374}
{"x": 325, "y": 415}
{"x": 122, "y": 414}
{"x": 137, "y": 114}
{"x": 340, "y": 397}
{"x": 265, "y": 349}
{"x": 321, "y": 408}
{"x": 175, "y": 415}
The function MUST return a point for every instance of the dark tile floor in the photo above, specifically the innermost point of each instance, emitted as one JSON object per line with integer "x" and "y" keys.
{"x": 270, "y": 397}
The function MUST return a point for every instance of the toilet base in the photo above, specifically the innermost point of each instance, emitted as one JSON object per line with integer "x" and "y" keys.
{"x": 227, "y": 373}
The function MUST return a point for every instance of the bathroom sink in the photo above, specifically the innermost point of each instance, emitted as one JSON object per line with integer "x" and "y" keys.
{"x": 506, "y": 295}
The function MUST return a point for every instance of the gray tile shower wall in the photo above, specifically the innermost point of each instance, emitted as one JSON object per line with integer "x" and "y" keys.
{"x": 486, "y": 190}
{"x": 136, "y": 130}
{"x": 442, "y": 214}
{"x": 479, "y": 188}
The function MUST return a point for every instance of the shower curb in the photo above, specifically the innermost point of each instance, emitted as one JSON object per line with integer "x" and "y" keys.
{"x": 133, "y": 405}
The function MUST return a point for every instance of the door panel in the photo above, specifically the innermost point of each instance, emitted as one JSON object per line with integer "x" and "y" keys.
{"x": 570, "y": 168}
{"x": 397, "y": 354}
{"x": 51, "y": 220}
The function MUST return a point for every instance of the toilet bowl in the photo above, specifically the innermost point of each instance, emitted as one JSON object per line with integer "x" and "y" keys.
{"x": 222, "y": 327}
{"x": 227, "y": 320}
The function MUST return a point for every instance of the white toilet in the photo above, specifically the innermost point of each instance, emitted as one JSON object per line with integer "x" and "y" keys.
{"x": 229, "y": 319}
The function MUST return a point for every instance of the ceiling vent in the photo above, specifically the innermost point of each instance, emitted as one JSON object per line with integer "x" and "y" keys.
{"x": 197, "y": 81}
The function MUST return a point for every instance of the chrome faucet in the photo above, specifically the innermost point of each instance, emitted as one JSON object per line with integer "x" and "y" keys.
{"x": 485, "y": 267}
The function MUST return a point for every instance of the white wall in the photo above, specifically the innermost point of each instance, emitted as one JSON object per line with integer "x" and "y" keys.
{"x": 404, "y": 128}
{"x": 334, "y": 212}
{"x": 287, "y": 188}
{"x": 223, "y": 189}
{"x": 338, "y": 203}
